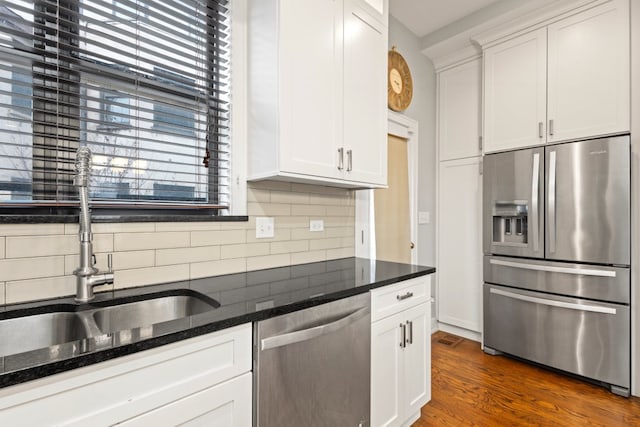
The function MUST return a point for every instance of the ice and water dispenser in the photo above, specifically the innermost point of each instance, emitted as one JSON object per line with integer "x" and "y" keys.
{"x": 510, "y": 222}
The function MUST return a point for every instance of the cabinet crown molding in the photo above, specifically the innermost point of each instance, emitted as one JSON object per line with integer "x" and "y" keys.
{"x": 458, "y": 57}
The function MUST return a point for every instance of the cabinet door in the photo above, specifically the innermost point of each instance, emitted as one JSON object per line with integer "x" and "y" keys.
{"x": 225, "y": 405}
{"x": 387, "y": 360}
{"x": 417, "y": 353}
{"x": 515, "y": 92}
{"x": 310, "y": 86}
{"x": 460, "y": 244}
{"x": 589, "y": 73}
{"x": 365, "y": 97}
{"x": 459, "y": 94}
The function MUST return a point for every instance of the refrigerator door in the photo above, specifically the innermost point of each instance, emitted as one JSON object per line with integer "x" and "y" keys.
{"x": 588, "y": 207}
{"x": 513, "y": 188}
{"x": 595, "y": 282}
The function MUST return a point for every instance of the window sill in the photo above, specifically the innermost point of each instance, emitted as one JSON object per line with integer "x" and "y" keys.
{"x": 117, "y": 218}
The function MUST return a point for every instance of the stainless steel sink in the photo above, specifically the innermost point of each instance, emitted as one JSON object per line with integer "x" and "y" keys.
{"x": 149, "y": 312}
{"x": 28, "y": 333}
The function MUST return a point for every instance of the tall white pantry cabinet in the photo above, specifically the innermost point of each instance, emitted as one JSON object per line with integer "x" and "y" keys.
{"x": 459, "y": 261}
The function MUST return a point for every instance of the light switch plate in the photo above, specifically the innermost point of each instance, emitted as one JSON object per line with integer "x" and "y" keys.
{"x": 424, "y": 217}
{"x": 316, "y": 225}
{"x": 264, "y": 227}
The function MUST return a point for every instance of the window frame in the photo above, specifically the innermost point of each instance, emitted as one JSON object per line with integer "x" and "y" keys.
{"x": 237, "y": 207}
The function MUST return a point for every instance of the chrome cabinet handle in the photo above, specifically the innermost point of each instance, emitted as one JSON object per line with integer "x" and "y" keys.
{"x": 403, "y": 335}
{"x": 404, "y": 297}
{"x": 550, "y": 127}
{"x": 340, "y": 158}
{"x": 480, "y": 143}
{"x": 535, "y": 183}
{"x": 540, "y": 130}
{"x": 552, "y": 201}
{"x": 310, "y": 333}
{"x": 410, "y": 338}
{"x": 349, "y": 160}
{"x": 553, "y": 303}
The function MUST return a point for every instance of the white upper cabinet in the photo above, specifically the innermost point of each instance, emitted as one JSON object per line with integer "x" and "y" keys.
{"x": 589, "y": 73}
{"x": 317, "y": 92}
{"x": 567, "y": 80}
{"x": 515, "y": 92}
{"x": 309, "y": 83}
{"x": 459, "y": 115}
{"x": 365, "y": 120}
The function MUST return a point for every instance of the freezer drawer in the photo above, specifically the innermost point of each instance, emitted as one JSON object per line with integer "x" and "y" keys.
{"x": 604, "y": 283}
{"x": 577, "y": 336}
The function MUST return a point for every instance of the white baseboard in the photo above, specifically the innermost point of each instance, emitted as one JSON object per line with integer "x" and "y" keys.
{"x": 461, "y": 332}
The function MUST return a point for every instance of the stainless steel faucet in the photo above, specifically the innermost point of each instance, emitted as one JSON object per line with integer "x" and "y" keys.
{"x": 87, "y": 276}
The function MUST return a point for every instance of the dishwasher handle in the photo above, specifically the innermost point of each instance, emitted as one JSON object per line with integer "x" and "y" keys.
{"x": 310, "y": 333}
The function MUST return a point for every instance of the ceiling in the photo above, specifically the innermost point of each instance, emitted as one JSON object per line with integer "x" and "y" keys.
{"x": 423, "y": 17}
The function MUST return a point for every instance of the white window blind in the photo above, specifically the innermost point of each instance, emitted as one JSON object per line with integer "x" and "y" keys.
{"x": 143, "y": 83}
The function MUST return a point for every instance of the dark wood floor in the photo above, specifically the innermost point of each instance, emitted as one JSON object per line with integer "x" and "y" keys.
{"x": 470, "y": 388}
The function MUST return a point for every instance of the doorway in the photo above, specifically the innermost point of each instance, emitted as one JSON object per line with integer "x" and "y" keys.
{"x": 391, "y": 206}
{"x": 406, "y": 129}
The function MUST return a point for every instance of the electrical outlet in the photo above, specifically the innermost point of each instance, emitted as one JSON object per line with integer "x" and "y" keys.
{"x": 424, "y": 217}
{"x": 316, "y": 225}
{"x": 264, "y": 227}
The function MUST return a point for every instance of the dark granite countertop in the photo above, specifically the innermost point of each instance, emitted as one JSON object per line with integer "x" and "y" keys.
{"x": 243, "y": 297}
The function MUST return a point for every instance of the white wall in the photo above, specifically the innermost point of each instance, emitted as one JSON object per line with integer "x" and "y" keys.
{"x": 422, "y": 109}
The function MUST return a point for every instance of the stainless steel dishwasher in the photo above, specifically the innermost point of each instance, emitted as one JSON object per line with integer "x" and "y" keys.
{"x": 312, "y": 367}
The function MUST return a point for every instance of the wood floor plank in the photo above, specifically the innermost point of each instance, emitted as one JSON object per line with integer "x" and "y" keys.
{"x": 471, "y": 388}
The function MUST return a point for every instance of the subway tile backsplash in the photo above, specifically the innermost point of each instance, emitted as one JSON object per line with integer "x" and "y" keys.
{"x": 37, "y": 261}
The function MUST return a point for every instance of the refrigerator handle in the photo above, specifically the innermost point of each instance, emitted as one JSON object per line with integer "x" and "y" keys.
{"x": 552, "y": 201}
{"x": 555, "y": 303}
{"x": 535, "y": 185}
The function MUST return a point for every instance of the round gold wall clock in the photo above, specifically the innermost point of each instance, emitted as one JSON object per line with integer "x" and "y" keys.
{"x": 399, "y": 82}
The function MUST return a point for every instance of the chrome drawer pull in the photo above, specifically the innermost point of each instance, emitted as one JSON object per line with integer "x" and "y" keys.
{"x": 405, "y": 296}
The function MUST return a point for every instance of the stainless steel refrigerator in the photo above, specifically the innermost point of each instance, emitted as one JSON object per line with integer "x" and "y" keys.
{"x": 557, "y": 257}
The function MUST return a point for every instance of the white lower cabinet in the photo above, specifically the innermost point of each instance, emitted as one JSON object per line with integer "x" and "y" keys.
{"x": 200, "y": 381}
{"x": 400, "y": 359}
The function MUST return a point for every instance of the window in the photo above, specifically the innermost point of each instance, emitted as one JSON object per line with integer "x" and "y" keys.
{"x": 20, "y": 91}
{"x": 143, "y": 83}
{"x": 116, "y": 110}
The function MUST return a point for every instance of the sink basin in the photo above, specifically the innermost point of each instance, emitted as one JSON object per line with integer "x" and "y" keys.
{"x": 151, "y": 311}
{"x": 28, "y": 333}
{"x": 37, "y": 331}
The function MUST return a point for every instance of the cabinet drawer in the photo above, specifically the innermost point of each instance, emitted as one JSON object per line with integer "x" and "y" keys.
{"x": 116, "y": 390}
{"x": 227, "y": 404}
{"x": 392, "y": 299}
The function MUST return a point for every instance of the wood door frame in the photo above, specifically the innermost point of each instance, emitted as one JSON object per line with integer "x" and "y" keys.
{"x": 407, "y": 128}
